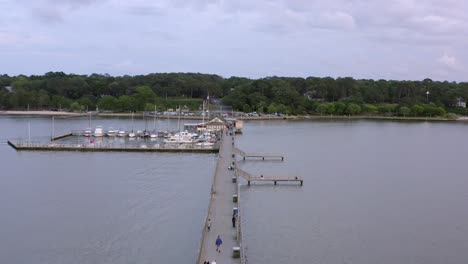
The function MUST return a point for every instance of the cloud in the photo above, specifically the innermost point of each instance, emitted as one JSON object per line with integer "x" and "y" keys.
{"x": 337, "y": 20}
{"x": 54, "y": 11}
{"x": 449, "y": 61}
{"x": 72, "y": 3}
{"x": 422, "y": 36}
{"x": 49, "y": 16}
{"x": 7, "y": 38}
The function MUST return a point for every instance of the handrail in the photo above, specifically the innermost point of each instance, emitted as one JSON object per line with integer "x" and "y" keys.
{"x": 239, "y": 227}
{"x": 242, "y": 173}
{"x": 240, "y": 152}
{"x": 212, "y": 192}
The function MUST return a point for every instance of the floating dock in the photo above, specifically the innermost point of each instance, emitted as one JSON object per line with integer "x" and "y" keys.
{"x": 19, "y": 145}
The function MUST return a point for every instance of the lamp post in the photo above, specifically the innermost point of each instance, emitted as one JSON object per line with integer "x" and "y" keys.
{"x": 427, "y": 97}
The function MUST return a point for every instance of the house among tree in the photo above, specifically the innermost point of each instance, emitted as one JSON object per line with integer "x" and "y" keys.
{"x": 461, "y": 102}
{"x": 9, "y": 88}
{"x": 214, "y": 125}
{"x": 313, "y": 96}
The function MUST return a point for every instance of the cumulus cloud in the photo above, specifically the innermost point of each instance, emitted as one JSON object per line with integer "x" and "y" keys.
{"x": 293, "y": 35}
{"x": 50, "y": 15}
{"x": 54, "y": 11}
{"x": 449, "y": 61}
{"x": 339, "y": 20}
{"x": 8, "y": 38}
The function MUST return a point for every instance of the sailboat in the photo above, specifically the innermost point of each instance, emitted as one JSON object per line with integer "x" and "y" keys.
{"x": 154, "y": 134}
{"x": 112, "y": 132}
{"x": 132, "y": 134}
{"x": 88, "y": 131}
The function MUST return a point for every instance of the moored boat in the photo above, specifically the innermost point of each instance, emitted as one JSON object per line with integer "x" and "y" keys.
{"x": 112, "y": 132}
{"x": 87, "y": 132}
{"x": 122, "y": 133}
{"x": 98, "y": 132}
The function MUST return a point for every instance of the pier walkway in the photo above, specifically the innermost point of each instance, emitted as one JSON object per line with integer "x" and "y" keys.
{"x": 263, "y": 156}
{"x": 220, "y": 211}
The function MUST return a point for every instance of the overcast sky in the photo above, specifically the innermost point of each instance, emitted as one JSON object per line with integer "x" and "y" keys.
{"x": 387, "y": 39}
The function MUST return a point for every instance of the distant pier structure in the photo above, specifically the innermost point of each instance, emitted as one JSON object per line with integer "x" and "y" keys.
{"x": 237, "y": 125}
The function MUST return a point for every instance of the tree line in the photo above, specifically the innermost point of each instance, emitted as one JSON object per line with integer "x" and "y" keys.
{"x": 286, "y": 95}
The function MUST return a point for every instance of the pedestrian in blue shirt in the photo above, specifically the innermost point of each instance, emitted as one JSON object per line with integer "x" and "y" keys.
{"x": 218, "y": 244}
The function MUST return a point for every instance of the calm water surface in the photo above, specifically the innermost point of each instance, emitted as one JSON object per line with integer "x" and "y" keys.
{"x": 375, "y": 192}
{"x": 73, "y": 207}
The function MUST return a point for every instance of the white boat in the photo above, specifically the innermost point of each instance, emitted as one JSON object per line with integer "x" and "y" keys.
{"x": 139, "y": 133}
{"x": 112, "y": 133}
{"x": 122, "y": 133}
{"x": 154, "y": 134}
{"x": 87, "y": 132}
{"x": 98, "y": 132}
{"x": 131, "y": 134}
{"x": 181, "y": 137}
{"x": 205, "y": 144}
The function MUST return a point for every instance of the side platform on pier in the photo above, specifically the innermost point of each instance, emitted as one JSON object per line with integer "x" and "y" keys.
{"x": 262, "y": 156}
{"x": 267, "y": 178}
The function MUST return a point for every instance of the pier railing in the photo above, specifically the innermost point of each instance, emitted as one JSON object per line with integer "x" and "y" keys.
{"x": 241, "y": 173}
{"x": 240, "y": 239}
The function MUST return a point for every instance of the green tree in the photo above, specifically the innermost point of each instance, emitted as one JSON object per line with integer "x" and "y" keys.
{"x": 75, "y": 106}
{"x": 107, "y": 102}
{"x": 127, "y": 103}
{"x": 353, "y": 109}
{"x": 418, "y": 110}
{"x": 272, "y": 108}
{"x": 405, "y": 111}
{"x": 370, "y": 108}
{"x": 340, "y": 108}
{"x": 246, "y": 108}
{"x": 321, "y": 108}
{"x": 143, "y": 96}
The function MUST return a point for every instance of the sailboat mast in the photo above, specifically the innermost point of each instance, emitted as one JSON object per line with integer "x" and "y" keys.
{"x": 203, "y": 117}
{"x": 178, "y": 121}
{"x": 154, "y": 119}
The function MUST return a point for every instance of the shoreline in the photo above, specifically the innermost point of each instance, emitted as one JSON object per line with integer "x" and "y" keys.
{"x": 250, "y": 118}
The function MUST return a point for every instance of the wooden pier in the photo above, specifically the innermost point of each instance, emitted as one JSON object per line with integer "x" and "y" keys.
{"x": 262, "y": 156}
{"x": 220, "y": 211}
{"x": 191, "y": 148}
{"x": 62, "y": 136}
{"x": 267, "y": 178}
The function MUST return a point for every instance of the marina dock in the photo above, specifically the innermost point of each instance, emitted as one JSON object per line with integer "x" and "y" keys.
{"x": 25, "y": 145}
{"x": 220, "y": 211}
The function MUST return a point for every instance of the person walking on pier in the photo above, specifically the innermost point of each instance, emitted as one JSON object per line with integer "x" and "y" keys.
{"x": 234, "y": 221}
{"x": 208, "y": 224}
{"x": 218, "y": 244}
